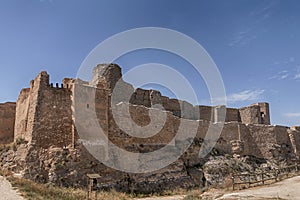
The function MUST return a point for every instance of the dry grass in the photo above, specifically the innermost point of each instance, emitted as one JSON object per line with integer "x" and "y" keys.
{"x": 33, "y": 191}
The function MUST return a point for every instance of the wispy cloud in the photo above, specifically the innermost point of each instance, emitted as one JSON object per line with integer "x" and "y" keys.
{"x": 280, "y": 75}
{"x": 297, "y": 76}
{"x": 262, "y": 10}
{"x": 243, "y": 96}
{"x": 296, "y": 114}
{"x": 291, "y": 70}
{"x": 242, "y": 38}
{"x": 254, "y": 29}
{"x": 246, "y": 95}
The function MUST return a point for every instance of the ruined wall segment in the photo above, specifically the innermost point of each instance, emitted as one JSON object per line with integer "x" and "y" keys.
{"x": 232, "y": 115}
{"x": 26, "y": 108}
{"x": 54, "y": 117}
{"x": 7, "y": 122}
{"x": 294, "y": 134}
{"x": 44, "y": 115}
{"x": 264, "y": 112}
{"x": 250, "y": 114}
{"x": 256, "y": 114}
{"x": 271, "y": 141}
{"x": 22, "y": 109}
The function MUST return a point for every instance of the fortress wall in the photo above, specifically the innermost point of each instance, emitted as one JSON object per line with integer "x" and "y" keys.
{"x": 44, "y": 113}
{"x": 250, "y": 114}
{"x": 53, "y": 116}
{"x": 258, "y": 140}
{"x": 111, "y": 73}
{"x": 229, "y": 133}
{"x": 124, "y": 128}
{"x": 295, "y": 140}
{"x": 173, "y": 125}
{"x": 188, "y": 111}
{"x": 232, "y": 115}
{"x": 48, "y": 113}
{"x": 256, "y": 114}
{"x": 206, "y": 112}
{"x": 91, "y": 112}
{"x": 22, "y": 109}
{"x": 264, "y": 112}
{"x": 26, "y": 107}
{"x": 171, "y": 105}
{"x": 141, "y": 97}
{"x": 273, "y": 141}
{"x": 7, "y": 122}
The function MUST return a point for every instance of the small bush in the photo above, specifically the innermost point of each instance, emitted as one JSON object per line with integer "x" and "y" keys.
{"x": 20, "y": 141}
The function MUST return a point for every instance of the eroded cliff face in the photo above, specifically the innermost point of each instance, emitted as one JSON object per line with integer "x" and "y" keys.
{"x": 50, "y": 150}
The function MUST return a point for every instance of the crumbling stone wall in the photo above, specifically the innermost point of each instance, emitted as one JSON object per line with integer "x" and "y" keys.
{"x": 232, "y": 115}
{"x": 294, "y": 134}
{"x": 271, "y": 141}
{"x": 7, "y": 122}
{"x": 44, "y": 115}
{"x": 250, "y": 115}
{"x": 255, "y": 114}
{"x": 25, "y": 108}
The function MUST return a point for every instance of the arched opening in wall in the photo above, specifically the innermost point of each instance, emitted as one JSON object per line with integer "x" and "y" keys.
{"x": 87, "y": 106}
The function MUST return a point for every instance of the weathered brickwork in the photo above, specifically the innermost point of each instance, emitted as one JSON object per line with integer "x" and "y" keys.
{"x": 7, "y": 122}
{"x": 44, "y": 115}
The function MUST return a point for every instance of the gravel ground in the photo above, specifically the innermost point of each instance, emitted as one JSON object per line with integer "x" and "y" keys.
{"x": 7, "y": 192}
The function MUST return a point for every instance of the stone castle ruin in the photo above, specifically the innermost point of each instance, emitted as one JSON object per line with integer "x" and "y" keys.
{"x": 42, "y": 122}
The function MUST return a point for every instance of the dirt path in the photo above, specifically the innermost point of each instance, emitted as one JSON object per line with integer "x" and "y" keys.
{"x": 286, "y": 189}
{"x": 7, "y": 192}
{"x": 176, "y": 197}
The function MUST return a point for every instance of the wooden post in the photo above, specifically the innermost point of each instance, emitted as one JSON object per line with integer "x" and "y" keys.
{"x": 262, "y": 178}
{"x": 276, "y": 175}
{"x": 249, "y": 179}
{"x": 232, "y": 178}
{"x": 92, "y": 184}
{"x": 88, "y": 189}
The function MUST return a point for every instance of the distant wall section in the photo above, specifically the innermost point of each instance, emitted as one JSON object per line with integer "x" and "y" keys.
{"x": 7, "y": 121}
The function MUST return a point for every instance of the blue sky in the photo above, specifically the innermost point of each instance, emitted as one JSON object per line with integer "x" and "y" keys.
{"x": 254, "y": 43}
